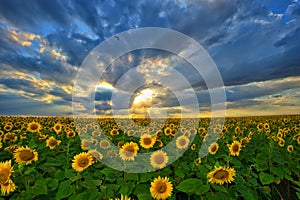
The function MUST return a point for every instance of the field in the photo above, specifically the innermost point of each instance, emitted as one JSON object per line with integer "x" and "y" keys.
{"x": 58, "y": 158}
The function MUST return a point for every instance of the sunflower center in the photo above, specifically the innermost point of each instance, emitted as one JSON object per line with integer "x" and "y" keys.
{"x": 26, "y": 155}
{"x": 147, "y": 141}
{"x": 221, "y": 174}
{"x": 4, "y": 176}
{"x": 214, "y": 148}
{"x": 34, "y": 127}
{"x": 129, "y": 151}
{"x": 235, "y": 148}
{"x": 84, "y": 162}
{"x": 53, "y": 143}
{"x": 182, "y": 142}
{"x": 159, "y": 159}
{"x": 162, "y": 188}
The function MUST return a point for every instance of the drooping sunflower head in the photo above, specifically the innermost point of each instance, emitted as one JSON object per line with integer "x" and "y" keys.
{"x": 33, "y": 127}
{"x": 281, "y": 142}
{"x": 129, "y": 151}
{"x": 159, "y": 159}
{"x": 147, "y": 141}
{"x": 5, "y": 171}
{"x": 221, "y": 175}
{"x": 161, "y": 188}
{"x": 244, "y": 141}
{"x": 25, "y": 154}
{"x": 213, "y": 148}
{"x": 182, "y": 142}
{"x": 52, "y": 142}
{"x": 235, "y": 148}
{"x": 82, "y": 161}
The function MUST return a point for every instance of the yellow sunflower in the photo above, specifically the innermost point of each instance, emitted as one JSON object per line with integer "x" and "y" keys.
{"x": 96, "y": 155}
{"x": 159, "y": 143}
{"x": 5, "y": 171}
{"x": 161, "y": 188}
{"x": 221, "y": 175}
{"x": 129, "y": 151}
{"x": 290, "y": 148}
{"x": 193, "y": 147}
{"x": 25, "y": 154}
{"x": 182, "y": 142}
{"x": 147, "y": 141}
{"x": 123, "y": 197}
{"x": 167, "y": 131}
{"x": 159, "y": 159}
{"x": 114, "y": 132}
{"x": 213, "y": 148}
{"x": 281, "y": 142}
{"x": 82, "y": 161}
{"x": 33, "y": 127}
{"x": 198, "y": 161}
{"x": 244, "y": 141}
{"x": 235, "y": 148}
{"x": 104, "y": 144}
{"x": 8, "y": 187}
{"x": 57, "y": 128}
{"x": 52, "y": 142}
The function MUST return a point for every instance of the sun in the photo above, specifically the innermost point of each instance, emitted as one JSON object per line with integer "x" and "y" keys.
{"x": 144, "y": 96}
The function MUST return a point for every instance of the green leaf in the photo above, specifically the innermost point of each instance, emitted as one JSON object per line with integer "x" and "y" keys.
{"x": 29, "y": 170}
{"x": 144, "y": 196}
{"x": 277, "y": 171}
{"x": 127, "y": 188}
{"x": 266, "y": 178}
{"x": 145, "y": 177}
{"x": 51, "y": 183}
{"x": 179, "y": 172}
{"x": 220, "y": 188}
{"x": 189, "y": 185}
{"x": 39, "y": 187}
{"x": 131, "y": 176}
{"x": 142, "y": 189}
{"x": 59, "y": 175}
{"x": 65, "y": 189}
{"x": 202, "y": 189}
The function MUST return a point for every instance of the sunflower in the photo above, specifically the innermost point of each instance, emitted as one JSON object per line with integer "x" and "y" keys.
{"x": 82, "y": 161}
{"x": 5, "y": 171}
{"x": 159, "y": 159}
{"x": 123, "y": 197}
{"x": 25, "y": 154}
{"x": 71, "y": 134}
{"x": 96, "y": 155}
{"x": 57, "y": 128}
{"x": 33, "y": 127}
{"x": 52, "y": 142}
{"x": 244, "y": 141}
{"x": 104, "y": 144}
{"x": 290, "y": 148}
{"x": 193, "y": 147}
{"x": 260, "y": 126}
{"x": 114, "y": 132}
{"x": 10, "y": 137}
{"x": 161, "y": 188}
{"x": 167, "y": 131}
{"x": 11, "y": 148}
{"x": 182, "y": 142}
{"x": 213, "y": 148}
{"x": 8, "y": 187}
{"x": 235, "y": 148}
{"x": 147, "y": 141}
{"x": 281, "y": 142}
{"x": 159, "y": 143}
{"x": 198, "y": 161}
{"x": 221, "y": 175}
{"x": 129, "y": 151}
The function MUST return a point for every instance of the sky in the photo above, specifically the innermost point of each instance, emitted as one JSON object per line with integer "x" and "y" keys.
{"x": 255, "y": 45}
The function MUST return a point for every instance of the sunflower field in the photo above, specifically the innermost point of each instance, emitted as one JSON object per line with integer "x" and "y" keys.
{"x": 50, "y": 158}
